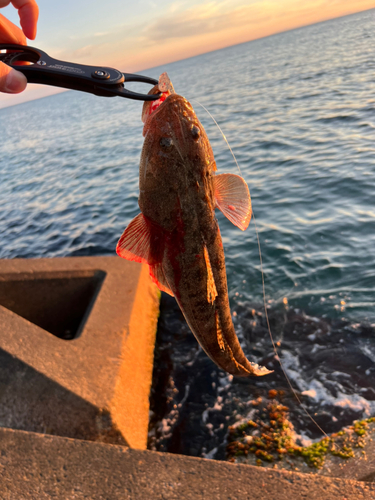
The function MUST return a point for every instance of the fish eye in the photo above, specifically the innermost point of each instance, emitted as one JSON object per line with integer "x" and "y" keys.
{"x": 166, "y": 142}
{"x": 195, "y": 132}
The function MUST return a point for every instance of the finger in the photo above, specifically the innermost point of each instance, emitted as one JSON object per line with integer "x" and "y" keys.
{"x": 29, "y": 12}
{"x": 11, "y": 81}
{"x": 10, "y": 33}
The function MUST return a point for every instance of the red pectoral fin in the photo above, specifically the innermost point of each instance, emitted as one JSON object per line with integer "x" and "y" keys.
{"x": 233, "y": 199}
{"x": 158, "y": 277}
{"x": 143, "y": 242}
{"x": 134, "y": 243}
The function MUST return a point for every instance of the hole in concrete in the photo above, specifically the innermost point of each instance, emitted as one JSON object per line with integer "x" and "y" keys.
{"x": 60, "y": 303}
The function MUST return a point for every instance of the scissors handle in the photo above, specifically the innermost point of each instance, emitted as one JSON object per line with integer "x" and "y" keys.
{"x": 39, "y": 67}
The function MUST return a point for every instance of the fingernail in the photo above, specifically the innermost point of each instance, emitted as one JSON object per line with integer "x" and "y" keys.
{"x": 15, "y": 82}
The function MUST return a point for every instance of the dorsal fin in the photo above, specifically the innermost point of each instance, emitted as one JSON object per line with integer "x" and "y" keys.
{"x": 219, "y": 333}
{"x": 211, "y": 287}
{"x": 233, "y": 199}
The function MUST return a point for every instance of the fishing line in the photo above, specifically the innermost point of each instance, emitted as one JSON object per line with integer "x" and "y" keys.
{"x": 273, "y": 343}
{"x": 264, "y": 292}
{"x": 222, "y": 133}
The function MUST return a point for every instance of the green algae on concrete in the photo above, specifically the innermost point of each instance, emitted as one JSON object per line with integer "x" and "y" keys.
{"x": 268, "y": 439}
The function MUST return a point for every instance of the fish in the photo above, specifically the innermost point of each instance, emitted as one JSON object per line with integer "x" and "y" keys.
{"x": 177, "y": 233}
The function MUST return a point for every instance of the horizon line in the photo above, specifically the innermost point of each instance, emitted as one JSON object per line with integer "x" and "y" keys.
{"x": 60, "y": 90}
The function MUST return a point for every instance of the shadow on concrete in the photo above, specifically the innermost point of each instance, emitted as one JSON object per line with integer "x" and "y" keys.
{"x": 39, "y": 404}
{"x": 60, "y": 303}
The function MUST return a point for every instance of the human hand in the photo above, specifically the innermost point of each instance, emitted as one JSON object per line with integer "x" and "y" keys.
{"x": 13, "y": 81}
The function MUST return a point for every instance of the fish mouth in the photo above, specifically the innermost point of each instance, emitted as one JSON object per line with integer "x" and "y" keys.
{"x": 180, "y": 105}
{"x": 150, "y": 115}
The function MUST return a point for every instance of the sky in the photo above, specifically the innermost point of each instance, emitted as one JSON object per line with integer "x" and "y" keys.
{"x": 135, "y": 35}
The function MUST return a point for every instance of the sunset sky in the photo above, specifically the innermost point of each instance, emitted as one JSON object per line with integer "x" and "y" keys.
{"x": 132, "y": 36}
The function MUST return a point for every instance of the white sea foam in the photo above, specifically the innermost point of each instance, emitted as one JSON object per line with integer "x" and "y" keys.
{"x": 318, "y": 388}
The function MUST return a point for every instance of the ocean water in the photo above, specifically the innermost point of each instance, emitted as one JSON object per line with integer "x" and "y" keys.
{"x": 298, "y": 109}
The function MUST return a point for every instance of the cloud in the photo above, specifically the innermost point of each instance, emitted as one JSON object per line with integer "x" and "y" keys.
{"x": 186, "y": 29}
{"x": 202, "y": 20}
{"x": 217, "y": 17}
{"x": 85, "y": 51}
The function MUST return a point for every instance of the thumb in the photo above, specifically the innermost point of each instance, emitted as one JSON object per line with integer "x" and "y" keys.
{"x": 11, "y": 81}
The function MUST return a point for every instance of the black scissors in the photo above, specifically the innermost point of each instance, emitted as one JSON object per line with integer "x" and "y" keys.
{"x": 39, "y": 67}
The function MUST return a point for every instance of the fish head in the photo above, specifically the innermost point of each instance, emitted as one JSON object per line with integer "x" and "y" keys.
{"x": 173, "y": 130}
{"x": 176, "y": 159}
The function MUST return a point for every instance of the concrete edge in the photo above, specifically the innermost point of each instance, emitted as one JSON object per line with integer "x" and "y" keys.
{"x": 37, "y": 466}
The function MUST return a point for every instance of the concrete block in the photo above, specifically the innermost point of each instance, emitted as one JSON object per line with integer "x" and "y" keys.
{"x": 360, "y": 467}
{"x": 76, "y": 347}
{"x": 40, "y": 467}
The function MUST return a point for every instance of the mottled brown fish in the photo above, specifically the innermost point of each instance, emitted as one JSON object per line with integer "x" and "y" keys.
{"x": 177, "y": 233}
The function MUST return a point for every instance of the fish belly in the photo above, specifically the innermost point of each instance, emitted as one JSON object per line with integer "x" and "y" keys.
{"x": 188, "y": 273}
